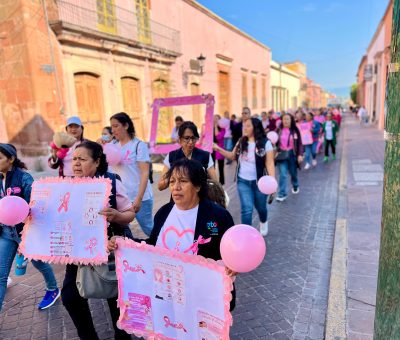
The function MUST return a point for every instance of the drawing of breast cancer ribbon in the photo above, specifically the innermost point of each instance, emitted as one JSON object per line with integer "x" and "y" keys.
{"x": 64, "y": 202}
{"x": 195, "y": 246}
{"x": 91, "y": 245}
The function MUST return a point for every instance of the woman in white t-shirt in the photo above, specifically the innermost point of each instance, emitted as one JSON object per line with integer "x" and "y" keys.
{"x": 255, "y": 156}
{"x": 134, "y": 169}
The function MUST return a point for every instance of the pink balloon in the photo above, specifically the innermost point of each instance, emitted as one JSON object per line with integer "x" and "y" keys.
{"x": 273, "y": 137}
{"x": 242, "y": 248}
{"x": 113, "y": 153}
{"x": 13, "y": 210}
{"x": 267, "y": 185}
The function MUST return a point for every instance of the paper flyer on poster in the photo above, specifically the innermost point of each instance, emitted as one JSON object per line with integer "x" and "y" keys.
{"x": 65, "y": 225}
{"x": 164, "y": 294}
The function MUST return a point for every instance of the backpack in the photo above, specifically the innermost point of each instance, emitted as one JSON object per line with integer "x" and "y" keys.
{"x": 150, "y": 166}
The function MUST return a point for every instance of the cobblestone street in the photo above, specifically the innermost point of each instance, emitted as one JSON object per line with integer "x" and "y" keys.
{"x": 285, "y": 298}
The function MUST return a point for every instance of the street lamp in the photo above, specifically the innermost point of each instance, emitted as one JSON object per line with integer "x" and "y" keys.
{"x": 201, "y": 60}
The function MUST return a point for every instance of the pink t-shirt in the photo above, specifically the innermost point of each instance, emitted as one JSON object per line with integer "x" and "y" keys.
{"x": 320, "y": 119}
{"x": 285, "y": 133}
{"x": 305, "y": 132}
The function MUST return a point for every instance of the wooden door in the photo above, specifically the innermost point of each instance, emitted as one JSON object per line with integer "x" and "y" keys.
{"x": 131, "y": 97}
{"x": 197, "y": 117}
{"x": 89, "y": 103}
{"x": 165, "y": 115}
{"x": 224, "y": 92}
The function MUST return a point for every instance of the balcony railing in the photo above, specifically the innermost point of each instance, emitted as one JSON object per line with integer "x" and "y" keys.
{"x": 118, "y": 22}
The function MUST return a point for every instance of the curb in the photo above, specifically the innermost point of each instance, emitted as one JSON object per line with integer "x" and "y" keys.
{"x": 336, "y": 312}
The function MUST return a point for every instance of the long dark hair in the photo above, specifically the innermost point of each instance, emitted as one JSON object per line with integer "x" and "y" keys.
{"x": 10, "y": 151}
{"x": 96, "y": 152}
{"x": 194, "y": 171}
{"x": 293, "y": 127}
{"x": 259, "y": 136}
{"x": 124, "y": 119}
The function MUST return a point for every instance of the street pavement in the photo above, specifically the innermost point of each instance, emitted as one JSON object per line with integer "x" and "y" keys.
{"x": 285, "y": 298}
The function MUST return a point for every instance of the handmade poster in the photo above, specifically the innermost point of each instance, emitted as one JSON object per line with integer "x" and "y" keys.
{"x": 305, "y": 132}
{"x": 162, "y": 123}
{"x": 164, "y": 294}
{"x": 65, "y": 225}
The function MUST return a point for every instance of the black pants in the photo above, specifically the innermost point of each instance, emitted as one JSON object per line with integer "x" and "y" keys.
{"x": 221, "y": 171}
{"x": 327, "y": 143}
{"x": 78, "y": 308}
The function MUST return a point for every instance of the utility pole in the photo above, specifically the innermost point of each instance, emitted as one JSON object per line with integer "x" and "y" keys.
{"x": 387, "y": 317}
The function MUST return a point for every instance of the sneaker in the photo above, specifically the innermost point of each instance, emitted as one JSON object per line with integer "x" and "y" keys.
{"x": 9, "y": 282}
{"x": 49, "y": 299}
{"x": 264, "y": 228}
{"x": 295, "y": 190}
{"x": 307, "y": 166}
{"x": 314, "y": 162}
{"x": 325, "y": 159}
{"x": 281, "y": 198}
{"x": 333, "y": 156}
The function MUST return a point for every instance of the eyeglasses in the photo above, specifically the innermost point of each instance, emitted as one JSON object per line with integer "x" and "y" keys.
{"x": 245, "y": 113}
{"x": 186, "y": 139}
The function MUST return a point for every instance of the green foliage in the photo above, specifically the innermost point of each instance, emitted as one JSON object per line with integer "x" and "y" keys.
{"x": 353, "y": 93}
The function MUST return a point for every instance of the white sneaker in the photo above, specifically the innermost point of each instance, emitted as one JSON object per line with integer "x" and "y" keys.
{"x": 295, "y": 190}
{"x": 264, "y": 228}
{"x": 307, "y": 166}
{"x": 314, "y": 162}
{"x": 281, "y": 199}
{"x": 9, "y": 282}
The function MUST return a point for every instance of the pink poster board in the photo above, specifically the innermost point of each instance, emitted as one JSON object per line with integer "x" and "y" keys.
{"x": 164, "y": 294}
{"x": 206, "y": 138}
{"x": 65, "y": 225}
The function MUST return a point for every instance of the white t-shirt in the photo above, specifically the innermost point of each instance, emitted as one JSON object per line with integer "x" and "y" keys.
{"x": 177, "y": 233}
{"x": 174, "y": 134}
{"x": 247, "y": 169}
{"x": 328, "y": 130}
{"x": 168, "y": 164}
{"x": 129, "y": 170}
{"x": 265, "y": 123}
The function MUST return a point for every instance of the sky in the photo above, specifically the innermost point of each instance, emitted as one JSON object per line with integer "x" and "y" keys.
{"x": 330, "y": 36}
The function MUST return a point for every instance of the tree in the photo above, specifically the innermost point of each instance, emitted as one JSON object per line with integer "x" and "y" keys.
{"x": 387, "y": 317}
{"x": 353, "y": 93}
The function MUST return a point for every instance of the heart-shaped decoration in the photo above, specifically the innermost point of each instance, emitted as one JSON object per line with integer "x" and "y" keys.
{"x": 173, "y": 233}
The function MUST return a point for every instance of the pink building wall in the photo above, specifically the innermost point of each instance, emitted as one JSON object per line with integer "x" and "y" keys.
{"x": 207, "y": 34}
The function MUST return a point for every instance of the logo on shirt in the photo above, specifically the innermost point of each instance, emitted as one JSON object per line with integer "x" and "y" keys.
{"x": 212, "y": 227}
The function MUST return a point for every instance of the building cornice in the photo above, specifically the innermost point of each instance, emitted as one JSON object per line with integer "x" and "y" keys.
{"x": 381, "y": 23}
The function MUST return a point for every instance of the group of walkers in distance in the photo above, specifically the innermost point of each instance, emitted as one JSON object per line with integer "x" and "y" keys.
{"x": 197, "y": 193}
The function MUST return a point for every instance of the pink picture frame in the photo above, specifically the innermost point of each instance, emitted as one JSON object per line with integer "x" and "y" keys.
{"x": 206, "y": 138}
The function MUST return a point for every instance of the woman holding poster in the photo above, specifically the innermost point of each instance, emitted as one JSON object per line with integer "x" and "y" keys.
{"x": 14, "y": 180}
{"x": 134, "y": 169}
{"x": 188, "y": 137}
{"x": 190, "y": 223}
{"x": 89, "y": 161}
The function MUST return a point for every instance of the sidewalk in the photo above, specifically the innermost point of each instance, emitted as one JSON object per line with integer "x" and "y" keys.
{"x": 353, "y": 284}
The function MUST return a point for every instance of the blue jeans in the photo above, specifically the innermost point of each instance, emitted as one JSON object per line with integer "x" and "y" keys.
{"x": 9, "y": 241}
{"x": 145, "y": 216}
{"x": 285, "y": 167}
{"x": 251, "y": 197}
{"x": 314, "y": 149}
{"x": 228, "y": 144}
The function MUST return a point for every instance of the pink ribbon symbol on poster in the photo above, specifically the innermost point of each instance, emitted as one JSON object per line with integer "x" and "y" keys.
{"x": 175, "y": 296}
{"x": 65, "y": 225}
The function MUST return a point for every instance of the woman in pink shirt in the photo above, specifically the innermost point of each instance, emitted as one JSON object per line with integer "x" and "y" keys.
{"x": 289, "y": 157}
